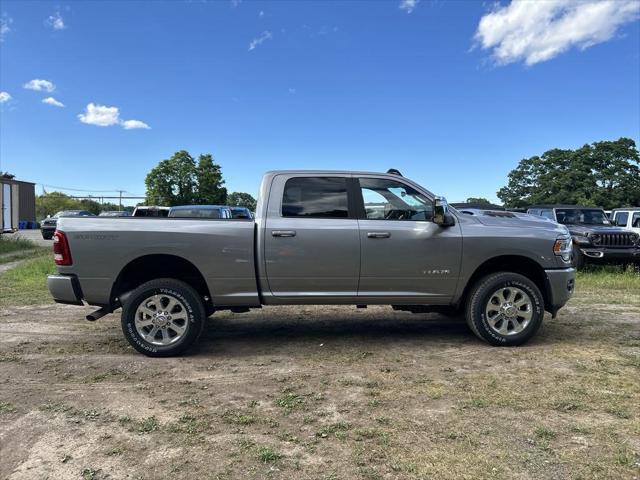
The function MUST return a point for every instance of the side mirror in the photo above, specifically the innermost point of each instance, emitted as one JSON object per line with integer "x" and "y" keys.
{"x": 441, "y": 215}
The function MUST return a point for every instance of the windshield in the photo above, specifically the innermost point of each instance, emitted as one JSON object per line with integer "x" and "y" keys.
{"x": 573, "y": 216}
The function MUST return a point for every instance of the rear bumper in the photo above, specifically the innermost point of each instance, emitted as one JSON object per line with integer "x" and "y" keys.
{"x": 65, "y": 289}
{"x": 560, "y": 287}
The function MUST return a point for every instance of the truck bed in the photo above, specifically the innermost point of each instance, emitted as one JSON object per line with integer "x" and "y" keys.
{"x": 222, "y": 250}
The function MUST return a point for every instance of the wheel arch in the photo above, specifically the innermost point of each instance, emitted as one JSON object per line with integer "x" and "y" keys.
{"x": 510, "y": 263}
{"x": 153, "y": 266}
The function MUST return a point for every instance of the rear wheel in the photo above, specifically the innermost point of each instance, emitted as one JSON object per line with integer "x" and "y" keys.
{"x": 163, "y": 318}
{"x": 47, "y": 235}
{"x": 505, "y": 309}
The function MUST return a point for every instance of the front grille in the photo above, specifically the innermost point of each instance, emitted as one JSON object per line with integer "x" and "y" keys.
{"x": 614, "y": 239}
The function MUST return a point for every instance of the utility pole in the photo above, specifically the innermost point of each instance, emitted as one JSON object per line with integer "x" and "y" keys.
{"x": 120, "y": 192}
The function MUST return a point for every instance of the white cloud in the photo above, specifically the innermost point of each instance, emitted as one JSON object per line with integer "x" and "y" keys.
{"x": 53, "y": 102}
{"x": 235, "y": 3}
{"x": 132, "y": 124}
{"x": 103, "y": 116}
{"x": 40, "y": 85}
{"x": 100, "y": 115}
{"x": 536, "y": 31}
{"x": 4, "y": 97}
{"x": 266, "y": 35}
{"x": 56, "y": 21}
{"x": 408, "y": 5}
{"x": 5, "y": 21}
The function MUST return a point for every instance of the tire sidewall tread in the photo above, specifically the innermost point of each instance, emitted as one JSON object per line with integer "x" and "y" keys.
{"x": 177, "y": 289}
{"x": 475, "y": 311}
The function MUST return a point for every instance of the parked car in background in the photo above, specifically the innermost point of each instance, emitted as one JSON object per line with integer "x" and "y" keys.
{"x": 200, "y": 211}
{"x": 595, "y": 239}
{"x": 151, "y": 211}
{"x": 627, "y": 218}
{"x": 48, "y": 225}
{"x": 316, "y": 241}
{"x": 241, "y": 212}
{"x": 115, "y": 213}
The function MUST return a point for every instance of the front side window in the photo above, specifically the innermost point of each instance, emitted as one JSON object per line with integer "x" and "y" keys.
{"x": 621, "y": 218}
{"x": 315, "y": 197}
{"x": 547, "y": 214}
{"x": 391, "y": 200}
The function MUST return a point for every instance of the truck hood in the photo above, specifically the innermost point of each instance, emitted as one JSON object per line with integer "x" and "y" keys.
{"x": 498, "y": 218}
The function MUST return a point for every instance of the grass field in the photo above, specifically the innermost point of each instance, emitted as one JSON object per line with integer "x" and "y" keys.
{"x": 321, "y": 393}
{"x": 13, "y": 249}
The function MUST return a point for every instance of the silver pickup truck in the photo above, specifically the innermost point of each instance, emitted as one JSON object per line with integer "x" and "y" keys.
{"x": 318, "y": 237}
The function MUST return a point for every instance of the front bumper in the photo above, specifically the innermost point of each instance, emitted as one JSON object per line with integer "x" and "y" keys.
{"x": 611, "y": 254}
{"x": 65, "y": 289}
{"x": 560, "y": 287}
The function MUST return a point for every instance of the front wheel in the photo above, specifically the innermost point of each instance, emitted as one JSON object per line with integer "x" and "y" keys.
{"x": 47, "y": 235}
{"x": 163, "y": 317}
{"x": 505, "y": 309}
{"x": 577, "y": 258}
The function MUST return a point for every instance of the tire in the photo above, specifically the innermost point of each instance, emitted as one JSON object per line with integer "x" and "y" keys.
{"x": 172, "y": 308}
{"x": 47, "y": 236}
{"x": 577, "y": 258}
{"x": 499, "y": 320}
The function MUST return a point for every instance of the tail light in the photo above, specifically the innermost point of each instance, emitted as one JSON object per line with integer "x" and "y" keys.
{"x": 61, "y": 251}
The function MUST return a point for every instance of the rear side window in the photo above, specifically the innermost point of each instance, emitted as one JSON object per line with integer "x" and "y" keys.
{"x": 315, "y": 197}
{"x": 635, "y": 223}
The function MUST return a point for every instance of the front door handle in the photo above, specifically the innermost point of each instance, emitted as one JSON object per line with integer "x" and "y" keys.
{"x": 283, "y": 233}
{"x": 378, "y": 234}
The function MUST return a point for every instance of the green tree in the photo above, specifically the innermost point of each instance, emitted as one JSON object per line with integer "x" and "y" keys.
{"x": 179, "y": 181}
{"x": 604, "y": 174}
{"x": 241, "y": 199}
{"x": 480, "y": 200}
{"x": 53, "y": 202}
{"x": 172, "y": 181}
{"x": 210, "y": 182}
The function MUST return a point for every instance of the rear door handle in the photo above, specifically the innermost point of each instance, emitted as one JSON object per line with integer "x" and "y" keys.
{"x": 283, "y": 233}
{"x": 378, "y": 234}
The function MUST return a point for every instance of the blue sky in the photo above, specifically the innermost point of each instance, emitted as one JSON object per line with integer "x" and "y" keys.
{"x": 453, "y": 94}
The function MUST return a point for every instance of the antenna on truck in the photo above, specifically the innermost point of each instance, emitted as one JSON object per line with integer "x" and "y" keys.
{"x": 393, "y": 171}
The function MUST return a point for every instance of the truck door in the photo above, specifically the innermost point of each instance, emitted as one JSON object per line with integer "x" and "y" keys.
{"x": 311, "y": 240}
{"x": 404, "y": 255}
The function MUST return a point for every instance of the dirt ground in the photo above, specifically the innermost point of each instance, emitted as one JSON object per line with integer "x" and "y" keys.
{"x": 321, "y": 393}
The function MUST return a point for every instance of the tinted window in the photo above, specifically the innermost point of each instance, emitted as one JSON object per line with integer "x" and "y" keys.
{"x": 196, "y": 213}
{"x": 315, "y": 198}
{"x": 547, "y": 214}
{"x": 621, "y": 218}
{"x": 391, "y": 200}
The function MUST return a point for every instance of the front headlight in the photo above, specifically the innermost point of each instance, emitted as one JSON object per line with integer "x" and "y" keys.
{"x": 562, "y": 247}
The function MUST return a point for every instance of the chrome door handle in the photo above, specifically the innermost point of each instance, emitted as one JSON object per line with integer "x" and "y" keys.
{"x": 378, "y": 234}
{"x": 283, "y": 233}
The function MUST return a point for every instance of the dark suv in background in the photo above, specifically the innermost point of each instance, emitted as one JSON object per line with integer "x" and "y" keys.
{"x": 595, "y": 238}
{"x": 48, "y": 225}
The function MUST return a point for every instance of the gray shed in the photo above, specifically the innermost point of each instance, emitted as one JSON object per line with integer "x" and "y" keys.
{"x": 17, "y": 203}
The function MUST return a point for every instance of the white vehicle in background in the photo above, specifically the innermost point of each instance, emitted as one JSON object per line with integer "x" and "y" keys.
{"x": 627, "y": 218}
{"x": 151, "y": 211}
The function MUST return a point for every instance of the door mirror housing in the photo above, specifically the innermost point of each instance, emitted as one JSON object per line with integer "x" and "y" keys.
{"x": 441, "y": 215}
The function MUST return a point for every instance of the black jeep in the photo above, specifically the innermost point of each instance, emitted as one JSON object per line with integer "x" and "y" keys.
{"x": 595, "y": 239}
